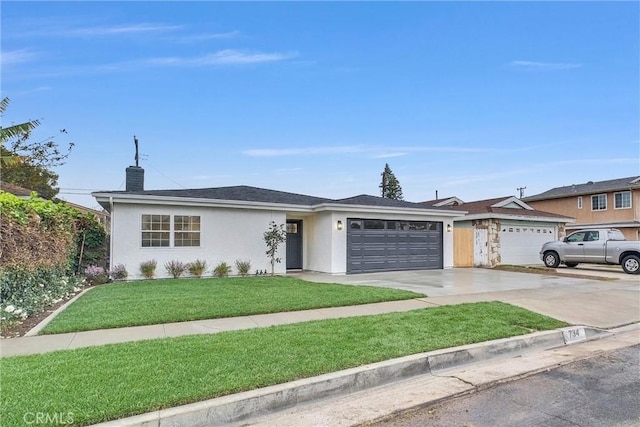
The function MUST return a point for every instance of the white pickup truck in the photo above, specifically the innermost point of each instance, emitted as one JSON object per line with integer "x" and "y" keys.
{"x": 594, "y": 246}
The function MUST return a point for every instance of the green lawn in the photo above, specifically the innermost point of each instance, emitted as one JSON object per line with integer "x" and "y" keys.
{"x": 150, "y": 302}
{"x": 102, "y": 383}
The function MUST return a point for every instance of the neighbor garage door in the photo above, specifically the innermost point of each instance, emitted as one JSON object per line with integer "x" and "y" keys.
{"x": 520, "y": 244}
{"x": 389, "y": 245}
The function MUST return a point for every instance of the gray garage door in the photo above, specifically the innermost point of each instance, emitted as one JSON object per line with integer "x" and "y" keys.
{"x": 389, "y": 245}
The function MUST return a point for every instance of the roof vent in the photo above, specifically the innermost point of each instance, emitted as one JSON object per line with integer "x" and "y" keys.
{"x": 590, "y": 183}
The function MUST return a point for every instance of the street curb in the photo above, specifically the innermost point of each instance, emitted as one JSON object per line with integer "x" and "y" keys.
{"x": 36, "y": 329}
{"x": 241, "y": 406}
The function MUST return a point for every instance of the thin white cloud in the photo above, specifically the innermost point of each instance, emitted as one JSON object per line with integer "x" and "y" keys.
{"x": 205, "y": 37}
{"x": 12, "y": 57}
{"x": 289, "y": 171}
{"x": 223, "y": 57}
{"x": 389, "y": 155}
{"x": 116, "y": 30}
{"x": 533, "y": 65}
{"x": 574, "y": 162}
{"x": 308, "y": 151}
{"x": 374, "y": 151}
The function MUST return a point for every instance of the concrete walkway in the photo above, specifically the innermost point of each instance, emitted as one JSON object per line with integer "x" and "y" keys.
{"x": 47, "y": 343}
{"x": 359, "y": 395}
{"x": 578, "y": 301}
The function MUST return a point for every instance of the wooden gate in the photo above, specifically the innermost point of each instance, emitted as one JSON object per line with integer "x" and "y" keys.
{"x": 463, "y": 247}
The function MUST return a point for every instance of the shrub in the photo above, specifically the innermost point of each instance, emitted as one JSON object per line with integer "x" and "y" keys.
{"x": 119, "y": 272}
{"x": 243, "y": 267}
{"x": 148, "y": 268}
{"x": 26, "y": 291}
{"x": 222, "y": 270}
{"x": 197, "y": 267}
{"x": 175, "y": 268}
{"x": 96, "y": 275}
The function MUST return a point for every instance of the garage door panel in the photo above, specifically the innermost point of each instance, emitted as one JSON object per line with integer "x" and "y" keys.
{"x": 520, "y": 245}
{"x": 389, "y": 249}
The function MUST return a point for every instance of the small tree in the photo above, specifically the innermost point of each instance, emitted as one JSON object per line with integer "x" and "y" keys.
{"x": 274, "y": 237}
{"x": 390, "y": 186}
{"x": 20, "y": 149}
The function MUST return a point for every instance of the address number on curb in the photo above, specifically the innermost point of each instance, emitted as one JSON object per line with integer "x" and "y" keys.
{"x": 572, "y": 335}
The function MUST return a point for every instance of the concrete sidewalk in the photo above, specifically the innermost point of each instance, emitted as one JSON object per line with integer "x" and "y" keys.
{"x": 47, "y": 343}
{"x": 422, "y": 391}
{"x": 416, "y": 380}
{"x": 357, "y": 396}
{"x": 594, "y": 303}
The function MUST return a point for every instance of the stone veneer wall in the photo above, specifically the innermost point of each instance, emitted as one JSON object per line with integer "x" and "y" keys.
{"x": 493, "y": 239}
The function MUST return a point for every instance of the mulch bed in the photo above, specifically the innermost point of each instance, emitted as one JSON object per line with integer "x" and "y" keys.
{"x": 24, "y": 326}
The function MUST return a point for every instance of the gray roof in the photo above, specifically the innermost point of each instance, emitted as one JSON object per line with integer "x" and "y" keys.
{"x": 255, "y": 194}
{"x": 239, "y": 193}
{"x": 632, "y": 182}
{"x": 366, "y": 200}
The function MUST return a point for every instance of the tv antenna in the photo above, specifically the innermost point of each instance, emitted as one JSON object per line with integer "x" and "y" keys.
{"x": 137, "y": 158}
{"x": 521, "y": 190}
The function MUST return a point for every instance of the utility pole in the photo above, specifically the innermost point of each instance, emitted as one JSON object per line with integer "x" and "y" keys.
{"x": 521, "y": 190}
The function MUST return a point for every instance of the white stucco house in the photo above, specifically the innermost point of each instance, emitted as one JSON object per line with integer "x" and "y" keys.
{"x": 353, "y": 235}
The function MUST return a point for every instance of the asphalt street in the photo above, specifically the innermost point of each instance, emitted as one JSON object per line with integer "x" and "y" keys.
{"x": 600, "y": 391}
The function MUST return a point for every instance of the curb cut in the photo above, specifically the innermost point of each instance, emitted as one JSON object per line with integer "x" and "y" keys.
{"x": 242, "y": 406}
{"x": 36, "y": 329}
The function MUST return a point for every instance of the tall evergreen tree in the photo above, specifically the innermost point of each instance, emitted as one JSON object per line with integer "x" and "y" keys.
{"x": 390, "y": 186}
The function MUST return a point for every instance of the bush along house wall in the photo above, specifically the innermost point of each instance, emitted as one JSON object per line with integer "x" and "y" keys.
{"x": 39, "y": 253}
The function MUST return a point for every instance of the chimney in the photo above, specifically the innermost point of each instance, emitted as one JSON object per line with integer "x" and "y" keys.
{"x": 135, "y": 179}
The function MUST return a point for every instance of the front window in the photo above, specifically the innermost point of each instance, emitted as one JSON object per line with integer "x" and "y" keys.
{"x": 155, "y": 230}
{"x": 599, "y": 202}
{"x": 186, "y": 230}
{"x": 622, "y": 200}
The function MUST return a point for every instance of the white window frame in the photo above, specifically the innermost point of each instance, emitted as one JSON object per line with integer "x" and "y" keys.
{"x": 172, "y": 230}
{"x": 579, "y": 202}
{"x": 621, "y": 193}
{"x": 186, "y": 229}
{"x": 154, "y": 230}
{"x": 599, "y": 196}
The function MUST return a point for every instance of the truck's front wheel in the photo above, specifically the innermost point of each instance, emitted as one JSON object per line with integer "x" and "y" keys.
{"x": 631, "y": 264}
{"x": 551, "y": 259}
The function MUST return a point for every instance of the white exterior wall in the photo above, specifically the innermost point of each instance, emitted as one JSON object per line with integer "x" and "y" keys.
{"x": 336, "y": 249}
{"x": 319, "y": 243}
{"x": 225, "y": 235}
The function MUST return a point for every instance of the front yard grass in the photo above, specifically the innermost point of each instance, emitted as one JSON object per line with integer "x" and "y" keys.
{"x": 109, "y": 382}
{"x": 151, "y": 302}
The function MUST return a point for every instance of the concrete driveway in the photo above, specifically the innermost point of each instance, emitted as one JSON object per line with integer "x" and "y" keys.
{"x": 579, "y": 301}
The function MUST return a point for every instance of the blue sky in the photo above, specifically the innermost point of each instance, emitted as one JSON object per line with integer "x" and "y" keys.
{"x": 470, "y": 99}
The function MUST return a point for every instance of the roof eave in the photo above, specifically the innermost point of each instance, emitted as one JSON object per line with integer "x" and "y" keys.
{"x": 337, "y": 207}
{"x": 536, "y": 198}
{"x": 514, "y": 217}
{"x": 105, "y": 201}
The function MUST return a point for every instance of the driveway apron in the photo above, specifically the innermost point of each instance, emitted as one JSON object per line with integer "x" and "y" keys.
{"x": 583, "y": 301}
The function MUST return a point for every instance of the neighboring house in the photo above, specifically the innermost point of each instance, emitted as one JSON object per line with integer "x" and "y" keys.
{"x": 102, "y": 216}
{"x": 608, "y": 204}
{"x": 23, "y": 193}
{"x": 16, "y": 190}
{"x": 353, "y": 235}
{"x": 504, "y": 230}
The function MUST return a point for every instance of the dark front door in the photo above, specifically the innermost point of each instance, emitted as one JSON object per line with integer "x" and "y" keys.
{"x": 294, "y": 244}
